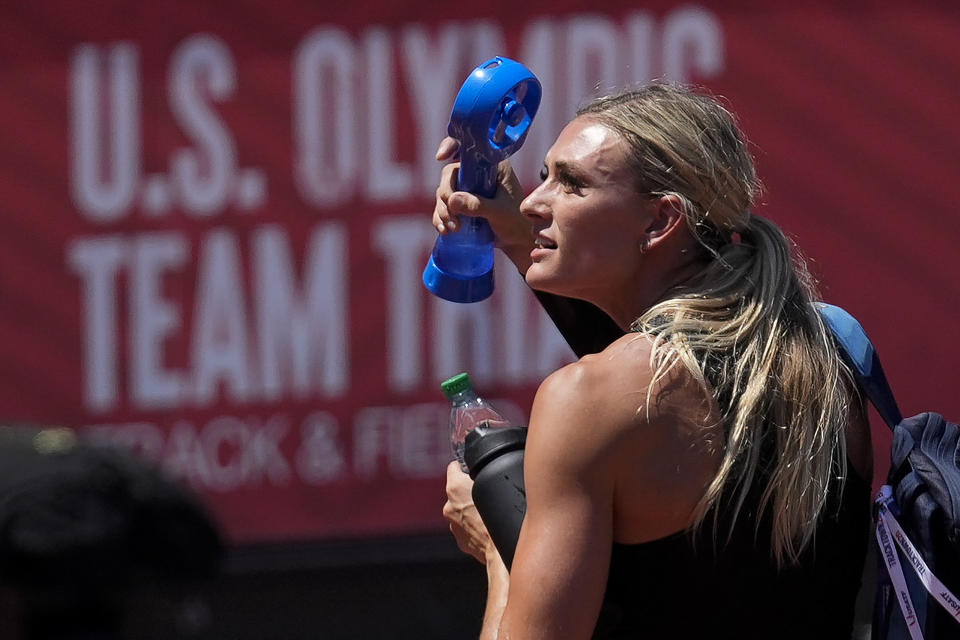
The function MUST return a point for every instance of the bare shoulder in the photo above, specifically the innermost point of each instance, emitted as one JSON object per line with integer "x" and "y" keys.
{"x": 652, "y": 439}
{"x": 623, "y": 377}
{"x": 607, "y": 398}
{"x": 626, "y": 361}
{"x": 611, "y": 379}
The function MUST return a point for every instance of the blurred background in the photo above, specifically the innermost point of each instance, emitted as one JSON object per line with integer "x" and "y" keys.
{"x": 215, "y": 216}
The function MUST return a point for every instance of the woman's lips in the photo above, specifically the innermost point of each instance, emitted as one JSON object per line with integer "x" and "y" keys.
{"x": 542, "y": 247}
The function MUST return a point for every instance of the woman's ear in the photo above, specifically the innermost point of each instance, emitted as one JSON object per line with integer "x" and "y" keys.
{"x": 666, "y": 215}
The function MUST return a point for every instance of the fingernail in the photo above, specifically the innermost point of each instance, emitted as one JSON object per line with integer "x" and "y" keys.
{"x": 451, "y": 225}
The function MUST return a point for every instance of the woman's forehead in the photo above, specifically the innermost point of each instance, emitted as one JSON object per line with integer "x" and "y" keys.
{"x": 588, "y": 142}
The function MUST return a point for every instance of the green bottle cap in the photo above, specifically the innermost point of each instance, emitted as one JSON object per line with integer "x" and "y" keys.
{"x": 456, "y": 384}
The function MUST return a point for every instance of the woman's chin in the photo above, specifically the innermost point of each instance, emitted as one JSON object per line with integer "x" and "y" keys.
{"x": 541, "y": 278}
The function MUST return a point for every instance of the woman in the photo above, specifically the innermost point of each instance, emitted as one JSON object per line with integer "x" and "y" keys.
{"x": 705, "y": 474}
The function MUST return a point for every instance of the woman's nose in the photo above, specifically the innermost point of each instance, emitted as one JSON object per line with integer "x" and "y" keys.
{"x": 535, "y": 205}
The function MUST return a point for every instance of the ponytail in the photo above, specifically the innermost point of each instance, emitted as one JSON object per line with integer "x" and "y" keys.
{"x": 747, "y": 327}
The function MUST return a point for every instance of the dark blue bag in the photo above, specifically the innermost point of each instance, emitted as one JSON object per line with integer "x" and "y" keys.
{"x": 917, "y": 511}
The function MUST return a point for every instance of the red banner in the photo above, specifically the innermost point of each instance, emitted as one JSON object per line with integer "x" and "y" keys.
{"x": 215, "y": 220}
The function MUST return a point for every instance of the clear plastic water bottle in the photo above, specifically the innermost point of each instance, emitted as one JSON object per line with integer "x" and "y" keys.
{"x": 468, "y": 411}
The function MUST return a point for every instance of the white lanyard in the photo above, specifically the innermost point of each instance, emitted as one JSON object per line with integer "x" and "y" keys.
{"x": 887, "y": 523}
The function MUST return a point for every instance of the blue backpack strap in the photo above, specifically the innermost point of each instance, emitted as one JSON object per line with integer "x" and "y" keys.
{"x": 862, "y": 358}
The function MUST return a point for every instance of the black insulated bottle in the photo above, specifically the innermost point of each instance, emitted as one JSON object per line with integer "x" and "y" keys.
{"x": 494, "y": 459}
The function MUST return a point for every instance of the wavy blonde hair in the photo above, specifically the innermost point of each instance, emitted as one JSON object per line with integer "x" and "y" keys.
{"x": 746, "y": 326}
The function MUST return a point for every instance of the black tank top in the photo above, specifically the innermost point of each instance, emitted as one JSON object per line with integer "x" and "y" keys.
{"x": 689, "y": 586}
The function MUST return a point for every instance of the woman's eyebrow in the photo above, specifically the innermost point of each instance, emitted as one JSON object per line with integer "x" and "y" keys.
{"x": 570, "y": 171}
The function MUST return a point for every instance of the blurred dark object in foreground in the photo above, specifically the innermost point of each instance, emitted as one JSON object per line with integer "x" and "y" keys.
{"x": 92, "y": 539}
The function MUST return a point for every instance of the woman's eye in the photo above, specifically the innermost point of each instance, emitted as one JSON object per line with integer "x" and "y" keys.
{"x": 568, "y": 182}
{"x": 571, "y": 186}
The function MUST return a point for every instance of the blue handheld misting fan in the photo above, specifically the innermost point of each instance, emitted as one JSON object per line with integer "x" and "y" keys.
{"x": 490, "y": 119}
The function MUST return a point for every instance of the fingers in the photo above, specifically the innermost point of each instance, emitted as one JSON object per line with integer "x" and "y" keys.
{"x": 463, "y": 203}
{"x": 450, "y": 203}
{"x": 468, "y": 531}
{"x": 467, "y": 544}
{"x": 512, "y": 230}
{"x": 445, "y": 215}
{"x": 443, "y": 220}
{"x": 456, "y": 475}
{"x": 466, "y": 525}
{"x": 453, "y": 470}
{"x": 448, "y": 149}
{"x": 459, "y": 486}
{"x": 459, "y": 494}
{"x": 449, "y": 512}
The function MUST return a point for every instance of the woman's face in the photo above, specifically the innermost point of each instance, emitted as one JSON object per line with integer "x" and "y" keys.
{"x": 588, "y": 216}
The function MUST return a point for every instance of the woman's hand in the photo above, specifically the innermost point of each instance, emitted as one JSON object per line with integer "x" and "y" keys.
{"x": 514, "y": 233}
{"x": 472, "y": 537}
{"x": 465, "y": 523}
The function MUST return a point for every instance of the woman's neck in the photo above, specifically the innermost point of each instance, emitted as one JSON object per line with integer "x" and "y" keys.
{"x": 656, "y": 282}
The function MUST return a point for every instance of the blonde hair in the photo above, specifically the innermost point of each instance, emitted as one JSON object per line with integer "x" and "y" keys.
{"x": 746, "y": 325}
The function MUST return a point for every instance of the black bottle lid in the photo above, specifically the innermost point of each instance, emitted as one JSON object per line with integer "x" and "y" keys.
{"x": 485, "y": 443}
